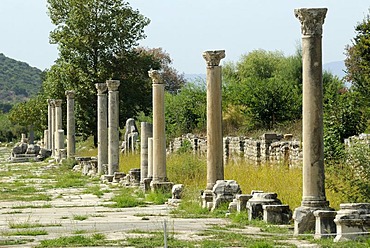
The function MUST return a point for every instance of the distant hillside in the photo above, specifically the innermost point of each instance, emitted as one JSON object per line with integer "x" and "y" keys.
{"x": 18, "y": 81}
{"x": 336, "y": 68}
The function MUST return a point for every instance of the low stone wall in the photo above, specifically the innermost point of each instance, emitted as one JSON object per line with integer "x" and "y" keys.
{"x": 270, "y": 147}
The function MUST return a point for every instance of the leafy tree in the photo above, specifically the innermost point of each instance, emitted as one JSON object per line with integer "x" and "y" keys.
{"x": 344, "y": 115}
{"x": 358, "y": 59}
{"x": 96, "y": 41}
{"x": 186, "y": 111}
{"x": 30, "y": 115}
{"x": 265, "y": 86}
{"x": 172, "y": 79}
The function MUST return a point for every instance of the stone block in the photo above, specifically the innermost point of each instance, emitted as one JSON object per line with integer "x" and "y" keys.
{"x": 177, "y": 190}
{"x": 277, "y": 214}
{"x": 325, "y": 224}
{"x": 254, "y": 205}
{"x": 241, "y": 200}
{"x": 224, "y": 191}
{"x": 164, "y": 187}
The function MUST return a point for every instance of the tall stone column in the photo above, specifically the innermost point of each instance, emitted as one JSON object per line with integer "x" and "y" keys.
{"x": 159, "y": 136}
{"x": 146, "y": 132}
{"x": 52, "y": 134}
{"x": 215, "y": 167}
{"x": 57, "y": 125}
{"x": 314, "y": 197}
{"x": 71, "y": 129}
{"x": 150, "y": 158}
{"x": 50, "y": 125}
{"x": 113, "y": 127}
{"x": 102, "y": 126}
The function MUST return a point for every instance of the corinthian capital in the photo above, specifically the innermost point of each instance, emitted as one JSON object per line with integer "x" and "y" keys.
{"x": 58, "y": 102}
{"x": 101, "y": 87}
{"x": 213, "y": 58}
{"x": 155, "y": 76}
{"x": 70, "y": 94}
{"x": 113, "y": 85}
{"x": 311, "y": 20}
{"x": 50, "y": 102}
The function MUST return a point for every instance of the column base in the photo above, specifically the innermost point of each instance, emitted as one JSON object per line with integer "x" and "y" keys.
{"x": 207, "y": 199}
{"x": 304, "y": 218}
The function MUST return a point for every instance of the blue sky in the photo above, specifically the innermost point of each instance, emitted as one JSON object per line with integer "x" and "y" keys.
{"x": 187, "y": 28}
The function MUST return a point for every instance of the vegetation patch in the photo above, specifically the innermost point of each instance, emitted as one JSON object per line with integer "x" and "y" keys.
{"x": 80, "y": 217}
{"x": 26, "y": 232}
{"x": 127, "y": 198}
{"x": 74, "y": 241}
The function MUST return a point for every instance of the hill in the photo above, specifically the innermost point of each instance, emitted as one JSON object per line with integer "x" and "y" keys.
{"x": 18, "y": 82}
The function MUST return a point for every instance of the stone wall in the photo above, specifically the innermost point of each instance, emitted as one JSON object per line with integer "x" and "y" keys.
{"x": 269, "y": 147}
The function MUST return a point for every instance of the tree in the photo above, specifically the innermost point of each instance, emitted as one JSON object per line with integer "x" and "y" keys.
{"x": 266, "y": 86}
{"x": 96, "y": 41}
{"x": 358, "y": 59}
{"x": 172, "y": 79}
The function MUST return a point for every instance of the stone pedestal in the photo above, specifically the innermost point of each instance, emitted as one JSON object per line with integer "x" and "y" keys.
{"x": 352, "y": 221}
{"x": 224, "y": 191}
{"x": 113, "y": 127}
{"x": 241, "y": 202}
{"x": 71, "y": 129}
{"x": 215, "y": 169}
{"x": 102, "y": 126}
{"x": 256, "y": 203}
{"x": 59, "y": 143}
{"x": 313, "y": 146}
{"x": 325, "y": 225}
{"x": 277, "y": 214}
{"x": 159, "y": 137}
{"x": 146, "y": 132}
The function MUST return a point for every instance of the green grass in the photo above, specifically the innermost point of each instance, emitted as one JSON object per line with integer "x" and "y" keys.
{"x": 126, "y": 198}
{"x": 80, "y": 217}
{"x": 32, "y": 206}
{"x": 15, "y": 241}
{"x": 158, "y": 197}
{"x": 95, "y": 190}
{"x": 26, "y": 232}
{"x": 27, "y": 224}
{"x": 74, "y": 241}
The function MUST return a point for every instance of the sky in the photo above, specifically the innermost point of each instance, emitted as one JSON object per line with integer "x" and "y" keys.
{"x": 185, "y": 29}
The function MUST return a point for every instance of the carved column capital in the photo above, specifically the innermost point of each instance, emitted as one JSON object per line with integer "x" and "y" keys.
{"x": 311, "y": 20}
{"x": 155, "y": 76}
{"x": 70, "y": 94}
{"x": 213, "y": 58}
{"x": 50, "y": 102}
{"x": 113, "y": 85}
{"x": 101, "y": 87}
{"x": 58, "y": 102}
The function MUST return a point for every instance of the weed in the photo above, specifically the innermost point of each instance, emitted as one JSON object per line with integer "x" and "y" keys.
{"x": 80, "y": 217}
{"x": 74, "y": 241}
{"x": 126, "y": 198}
{"x": 95, "y": 190}
{"x": 158, "y": 197}
{"x": 26, "y": 232}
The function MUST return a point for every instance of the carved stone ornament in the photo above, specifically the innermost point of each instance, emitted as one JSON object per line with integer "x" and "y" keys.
{"x": 51, "y": 102}
{"x": 70, "y": 94}
{"x": 155, "y": 76}
{"x": 101, "y": 87}
{"x": 311, "y": 20}
{"x": 58, "y": 103}
{"x": 113, "y": 85}
{"x": 213, "y": 58}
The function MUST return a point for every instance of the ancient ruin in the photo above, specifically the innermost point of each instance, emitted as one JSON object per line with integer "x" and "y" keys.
{"x": 313, "y": 145}
{"x": 131, "y": 136}
{"x": 102, "y": 116}
{"x": 71, "y": 129}
{"x": 113, "y": 126}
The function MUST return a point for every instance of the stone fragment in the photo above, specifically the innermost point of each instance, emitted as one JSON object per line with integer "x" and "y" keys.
{"x": 224, "y": 191}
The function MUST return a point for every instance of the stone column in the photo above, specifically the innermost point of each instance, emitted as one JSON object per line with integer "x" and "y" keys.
{"x": 150, "y": 158}
{"x": 146, "y": 132}
{"x": 57, "y": 125}
{"x": 50, "y": 125}
{"x": 159, "y": 138}
{"x": 113, "y": 127}
{"x": 71, "y": 139}
{"x": 102, "y": 126}
{"x": 313, "y": 198}
{"x": 215, "y": 168}
{"x": 52, "y": 134}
